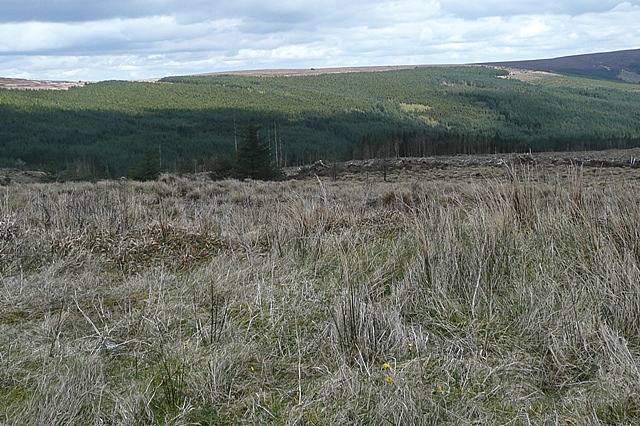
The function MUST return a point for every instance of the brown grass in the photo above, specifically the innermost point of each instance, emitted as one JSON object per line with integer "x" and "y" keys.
{"x": 488, "y": 296}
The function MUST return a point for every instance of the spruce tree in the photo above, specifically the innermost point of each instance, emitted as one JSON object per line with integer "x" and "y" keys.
{"x": 148, "y": 168}
{"x": 253, "y": 158}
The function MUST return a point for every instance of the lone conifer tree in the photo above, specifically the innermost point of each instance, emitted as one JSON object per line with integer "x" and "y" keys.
{"x": 253, "y": 160}
{"x": 147, "y": 169}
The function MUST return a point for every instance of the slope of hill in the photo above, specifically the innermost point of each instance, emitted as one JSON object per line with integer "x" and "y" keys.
{"x": 295, "y": 72}
{"x": 621, "y": 65}
{"x": 27, "y": 84}
{"x": 186, "y": 123}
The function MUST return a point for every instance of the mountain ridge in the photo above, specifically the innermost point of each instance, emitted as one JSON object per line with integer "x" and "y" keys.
{"x": 619, "y": 65}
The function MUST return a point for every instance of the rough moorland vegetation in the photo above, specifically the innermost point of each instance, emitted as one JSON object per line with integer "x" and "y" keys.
{"x": 500, "y": 295}
{"x": 108, "y": 129}
{"x": 622, "y": 65}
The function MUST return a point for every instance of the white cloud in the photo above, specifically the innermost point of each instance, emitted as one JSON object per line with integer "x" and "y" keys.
{"x": 114, "y": 34}
{"x": 147, "y": 38}
{"x": 482, "y": 8}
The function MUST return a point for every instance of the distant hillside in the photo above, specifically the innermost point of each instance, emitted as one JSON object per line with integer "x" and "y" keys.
{"x": 623, "y": 65}
{"x": 25, "y": 84}
{"x": 187, "y": 124}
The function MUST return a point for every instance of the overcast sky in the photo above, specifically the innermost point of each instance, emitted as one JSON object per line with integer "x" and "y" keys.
{"x": 134, "y": 39}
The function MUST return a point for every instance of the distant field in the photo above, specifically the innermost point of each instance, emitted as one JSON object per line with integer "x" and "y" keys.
{"x": 291, "y": 72}
{"x": 25, "y": 84}
{"x": 476, "y": 289}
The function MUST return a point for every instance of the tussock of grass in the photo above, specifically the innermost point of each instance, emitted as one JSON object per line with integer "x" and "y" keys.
{"x": 492, "y": 301}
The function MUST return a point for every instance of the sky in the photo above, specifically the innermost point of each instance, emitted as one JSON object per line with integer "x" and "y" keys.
{"x": 93, "y": 40}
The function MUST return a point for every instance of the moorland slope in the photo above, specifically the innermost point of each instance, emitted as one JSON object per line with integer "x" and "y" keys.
{"x": 622, "y": 65}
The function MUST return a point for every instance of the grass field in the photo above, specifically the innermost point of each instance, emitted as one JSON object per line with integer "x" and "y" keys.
{"x": 500, "y": 295}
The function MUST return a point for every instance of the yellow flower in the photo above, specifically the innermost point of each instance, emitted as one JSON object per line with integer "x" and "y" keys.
{"x": 386, "y": 366}
{"x": 185, "y": 344}
{"x": 389, "y": 379}
{"x": 251, "y": 368}
{"x": 410, "y": 345}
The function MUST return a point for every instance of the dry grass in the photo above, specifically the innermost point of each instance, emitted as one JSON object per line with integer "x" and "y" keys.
{"x": 501, "y": 296}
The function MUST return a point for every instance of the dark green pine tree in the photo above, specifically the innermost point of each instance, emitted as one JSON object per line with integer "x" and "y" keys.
{"x": 253, "y": 159}
{"x": 148, "y": 168}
